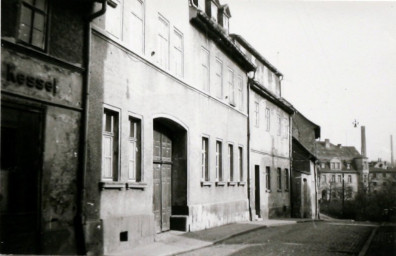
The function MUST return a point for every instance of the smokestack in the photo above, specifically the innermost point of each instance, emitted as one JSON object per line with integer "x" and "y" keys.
{"x": 363, "y": 151}
{"x": 392, "y": 163}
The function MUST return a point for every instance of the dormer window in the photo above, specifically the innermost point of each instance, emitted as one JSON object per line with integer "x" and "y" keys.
{"x": 348, "y": 166}
{"x": 213, "y": 11}
{"x": 224, "y": 17}
{"x": 212, "y": 7}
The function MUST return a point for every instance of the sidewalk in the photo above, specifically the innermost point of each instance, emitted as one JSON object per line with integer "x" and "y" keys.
{"x": 175, "y": 242}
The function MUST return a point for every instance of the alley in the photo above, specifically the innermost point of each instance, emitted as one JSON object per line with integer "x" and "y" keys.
{"x": 309, "y": 238}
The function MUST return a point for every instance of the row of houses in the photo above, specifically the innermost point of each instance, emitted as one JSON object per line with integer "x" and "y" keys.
{"x": 123, "y": 119}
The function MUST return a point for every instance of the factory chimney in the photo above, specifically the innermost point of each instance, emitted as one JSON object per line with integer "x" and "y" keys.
{"x": 392, "y": 163}
{"x": 363, "y": 151}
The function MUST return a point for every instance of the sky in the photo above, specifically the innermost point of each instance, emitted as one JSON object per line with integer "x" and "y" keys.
{"x": 338, "y": 59}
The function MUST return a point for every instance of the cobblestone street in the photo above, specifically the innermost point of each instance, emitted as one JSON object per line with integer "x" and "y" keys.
{"x": 310, "y": 238}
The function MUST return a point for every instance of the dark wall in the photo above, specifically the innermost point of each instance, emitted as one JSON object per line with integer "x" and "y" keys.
{"x": 304, "y": 131}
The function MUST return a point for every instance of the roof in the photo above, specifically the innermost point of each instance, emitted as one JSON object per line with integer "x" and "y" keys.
{"x": 265, "y": 93}
{"x": 226, "y": 10}
{"x": 342, "y": 152}
{"x": 316, "y": 127}
{"x": 214, "y": 31}
{"x": 380, "y": 170}
{"x": 312, "y": 155}
{"x": 252, "y": 50}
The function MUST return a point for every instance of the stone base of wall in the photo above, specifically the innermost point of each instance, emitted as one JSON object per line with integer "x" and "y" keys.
{"x": 279, "y": 212}
{"x": 205, "y": 216}
{"x": 134, "y": 230}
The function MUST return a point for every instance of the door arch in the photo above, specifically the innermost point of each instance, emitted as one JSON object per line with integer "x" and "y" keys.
{"x": 169, "y": 172}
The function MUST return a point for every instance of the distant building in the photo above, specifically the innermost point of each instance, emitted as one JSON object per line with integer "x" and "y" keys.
{"x": 304, "y": 176}
{"x": 343, "y": 171}
{"x": 380, "y": 178}
{"x": 269, "y": 138}
{"x": 379, "y": 164}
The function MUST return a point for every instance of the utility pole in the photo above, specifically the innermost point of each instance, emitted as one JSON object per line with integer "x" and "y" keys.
{"x": 343, "y": 195}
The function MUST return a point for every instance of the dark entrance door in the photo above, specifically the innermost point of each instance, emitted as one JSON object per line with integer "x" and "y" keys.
{"x": 19, "y": 180}
{"x": 257, "y": 189}
{"x": 162, "y": 172}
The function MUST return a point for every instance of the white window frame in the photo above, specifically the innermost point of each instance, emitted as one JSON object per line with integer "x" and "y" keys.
{"x": 219, "y": 160}
{"x": 240, "y": 92}
{"x": 240, "y": 163}
{"x": 178, "y": 50}
{"x": 205, "y": 158}
{"x": 231, "y": 86}
{"x": 219, "y": 79}
{"x": 268, "y": 119}
{"x": 135, "y": 150}
{"x": 133, "y": 31}
{"x": 113, "y": 151}
{"x": 205, "y": 69}
{"x": 230, "y": 158}
{"x": 163, "y": 37}
{"x": 256, "y": 114}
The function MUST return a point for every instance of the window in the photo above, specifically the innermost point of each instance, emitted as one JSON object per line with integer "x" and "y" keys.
{"x": 268, "y": 177}
{"x": 349, "y": 178}
{"x": 374, "y": 175}
{"x": 256, "y": 114}
{"x": 110, "y": 145}
{"x": 33, "y": 23}
{"x": 338, "y": 166}
{"x": 226, "y": 23}
{"x": 339, "y": 178}
{"x": 269, "y": 77}
{"x": 279, "y": 125}
{"x": 286, "y": 129}
{"x": 286, "y": 179}
{"x": 374, "y": 183}
{"x": 384, "y": 175}
{"x": 205, "y": 69}
{"x": 177, "y": 60}
{"x": 219, "y": 160}
{"x": 134, "y": 151}
{"x": 240, "y": 161}
{"x": 332, "y": 166}
{"x": 240, "y": 92}
{"x": 279, "y": 178}
{"x": 324, "y": 178}
{"x": 163, "y": 43}
{"x": 268, "y": 119}
{"x": 231, "y": 89}
{"x": 113, "y": 20}
{"x": 218, "y": 83}
{"x": 365, "y": 178}
{"x": 277, "y": 84}
{"x": 134, "y": 34}
{"x": 231, "y": 161}
{"x": 333, "y": 178}
{"x": 322, "y": 165}
{"x": 348, "y": 166}
{"x": 205, "y": 160}
{"x": 213, "y": 11}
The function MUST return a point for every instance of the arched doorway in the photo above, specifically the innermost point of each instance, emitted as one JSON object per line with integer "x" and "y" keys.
{"x": 169, "y": 174}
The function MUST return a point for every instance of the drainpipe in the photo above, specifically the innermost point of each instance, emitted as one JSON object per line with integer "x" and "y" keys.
{"x": 250, "y": 80}
{"x": 81, "y": 236}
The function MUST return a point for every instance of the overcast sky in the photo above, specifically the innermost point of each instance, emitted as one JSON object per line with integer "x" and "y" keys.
{"x": 338, "y": 60}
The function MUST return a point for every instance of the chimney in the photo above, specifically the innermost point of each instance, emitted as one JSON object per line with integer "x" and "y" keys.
{"x": 392, "y": 152}
{"x": 363, "y": 151}
{"x": 339, "y": 145}
{"x": 327, "y": 143}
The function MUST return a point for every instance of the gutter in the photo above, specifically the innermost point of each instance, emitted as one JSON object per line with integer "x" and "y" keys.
{"x": 81, "y": 215}
{"x": 248, "y": 147}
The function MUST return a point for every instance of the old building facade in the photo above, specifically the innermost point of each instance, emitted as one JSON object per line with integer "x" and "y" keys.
{"x": 304, "y": 176}
{"x": 42, "y": 70}
{"x": 343, "y": 171}
{"x": 167, "y": 144}
{"x": 269, "y": 139}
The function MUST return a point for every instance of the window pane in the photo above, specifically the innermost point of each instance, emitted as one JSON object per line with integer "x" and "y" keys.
{"x": 38, "y": 38}
{"x": 108, "y": 123}
{"x": 219, "y": 78}
{"x": 132, "y": 159}
{"x": 26, "y": 16}
{"x": 40, "y": 4}
{"x": 39, "y": 21}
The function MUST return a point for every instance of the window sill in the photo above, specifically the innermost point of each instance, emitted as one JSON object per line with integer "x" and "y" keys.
{"x": 206, "y": 184}
{"x": 232, "y": 183}
{"x": 242, "y": 183}
{"x": 279, "y": 190}
{"x": 268, "y": 190}
{"x": 136, "y": 185}
{"x": 111, "y": 185}
{"x": 220, "y": 183}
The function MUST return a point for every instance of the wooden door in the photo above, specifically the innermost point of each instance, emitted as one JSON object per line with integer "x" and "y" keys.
{"x": 162, "y": 168}
{"x": 257, "y": 190}
{"x": 19, "y": 180}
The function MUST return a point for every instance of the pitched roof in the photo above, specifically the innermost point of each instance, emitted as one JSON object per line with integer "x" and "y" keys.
{"x": 342, "y": 152}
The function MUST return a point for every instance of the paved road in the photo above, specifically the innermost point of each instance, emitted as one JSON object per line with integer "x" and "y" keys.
{"x": 310, "y": 238}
